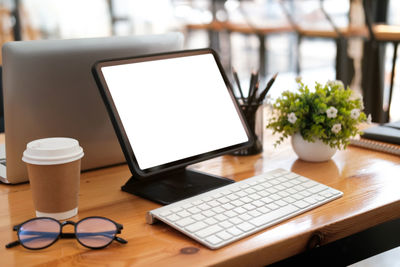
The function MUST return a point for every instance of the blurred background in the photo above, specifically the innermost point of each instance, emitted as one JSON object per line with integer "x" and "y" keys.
{"x": 315, "y": 39}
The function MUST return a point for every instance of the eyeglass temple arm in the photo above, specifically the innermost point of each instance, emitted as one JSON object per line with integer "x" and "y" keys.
{"x": 16, "y": 242}
{"x": 13, "y": 244}
{"x": 117, "y": 238}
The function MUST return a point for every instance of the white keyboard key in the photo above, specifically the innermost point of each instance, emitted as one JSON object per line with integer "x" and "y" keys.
{"x": 279, "y": 187}
{"x": 258, "y": 188}
{"x": 310, "y": 200}
{"x": 273, "y": 215}
{"x": 218, "y": 210}
{"x": 206, "y": 199}
{"x": 245, "y": 217}
{"x": 297, "y": 196}
{"x": 173, "y": 217}
{"x": 309, "y": 183}
{"x": 255, "y": 196}
{"x": 236, "y": 220}
{"x": 209, "y": 231}
{"x": 223, "y": 200}
{"x": 213, "y": 239}
{"x": 326, "y": 193}
{"x": 197, "y": 202}
{"x": 230, "y": 213}
{"x": 289, "y": 199}
{"x": 249, "y": 206}
{"x": 184, "y": 222}
{"x": 234, "y": 231}
{"x": 208, "y": 213}
{"x": 241, "y": 194}
{"x": 246, "y": 199}
{"x": 226, "y": 192}
{"x": 258, "y": 203}
{"x": 210, "y": 221}
{"x": 183, "y": 214}
{"x": 237, "y": 203}
{"x": 305, "y": 193}
{"x": 250, "y": 191}
{"x": 291, "y": 175}
{"x": 254, "y": 213}
{"x": 204, "y": 206}
{"x": 187, "y": 206}
{"x": 263, "y": 210}
{"x": 317, "y": 188}
{"x": 245, "y": 226}
{"x": 221, "y": 217}
{"x": 301, "y": 204}
{"x": 224, "y": 235}
{"x": 194, "y": 210}
{"x": 232, "y": 197}
{"x": 266, "y": 200}
{"x": 225, "y": 224}
{"x": 198, "y": 217}
{"x": 281, "y": 203}
{"x": 272, "y": 206}
{"x": 175, "y": 210}
{"x": 196, "y": 226}
{"x": 264, "y": 193}
{"x": 213, "y": 203}
{"x": 239, "y": 210}
{"x": 228, "y": 206}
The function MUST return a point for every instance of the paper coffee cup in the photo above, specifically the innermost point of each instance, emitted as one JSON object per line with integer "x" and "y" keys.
{"x": 54, "y": 166}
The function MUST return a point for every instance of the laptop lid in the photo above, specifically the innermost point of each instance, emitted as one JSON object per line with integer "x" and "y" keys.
{"x": 49, "y": 91}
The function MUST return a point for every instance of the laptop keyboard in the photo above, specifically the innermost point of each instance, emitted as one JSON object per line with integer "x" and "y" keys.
{"x": 232, "y": 212}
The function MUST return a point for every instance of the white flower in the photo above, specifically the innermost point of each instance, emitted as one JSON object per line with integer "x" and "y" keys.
{"x": 298, "y": 79}
{"x": 339, "y": 83}
{"x": 292, "y": 118}
{"x": 355, "y": 95}
{"x": 335, "y": 83}
{"x": 369, "y": 119}
{"x": 355, "y": 113}
{"x": 331, "y": 112}
{"x": 336, "y": 128}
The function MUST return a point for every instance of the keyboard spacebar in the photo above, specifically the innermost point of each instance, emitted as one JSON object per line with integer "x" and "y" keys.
{"x": 273, "y": 215}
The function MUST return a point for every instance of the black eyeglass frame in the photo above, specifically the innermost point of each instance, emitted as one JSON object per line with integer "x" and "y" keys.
{"x": 17, "y": 228}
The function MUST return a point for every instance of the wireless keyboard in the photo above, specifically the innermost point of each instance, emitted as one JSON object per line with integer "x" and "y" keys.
{"x": 229, "y": 213}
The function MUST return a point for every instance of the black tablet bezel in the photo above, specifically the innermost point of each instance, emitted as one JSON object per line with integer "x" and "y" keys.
{"x": 119, "y": 128}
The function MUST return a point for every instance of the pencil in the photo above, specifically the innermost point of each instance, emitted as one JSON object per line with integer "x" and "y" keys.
{"x": 236, "y": 77}
{"x": 253, "y": 80}
{"x": 251, "y": 99}
{"x": 265, "y": 92}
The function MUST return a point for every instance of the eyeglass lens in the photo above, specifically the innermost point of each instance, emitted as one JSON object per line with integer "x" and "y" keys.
{"x": 95, "y": 232}
{"x": 39, "y": 233}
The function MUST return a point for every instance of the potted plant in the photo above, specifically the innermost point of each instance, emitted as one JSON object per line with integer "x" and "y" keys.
{"x": 319, "y": 121}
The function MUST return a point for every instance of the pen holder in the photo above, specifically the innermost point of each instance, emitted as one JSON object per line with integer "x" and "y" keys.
{"x": 254, "y": 116}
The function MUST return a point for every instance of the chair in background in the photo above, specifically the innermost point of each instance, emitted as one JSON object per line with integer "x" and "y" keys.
{"x": 383, "y": 34}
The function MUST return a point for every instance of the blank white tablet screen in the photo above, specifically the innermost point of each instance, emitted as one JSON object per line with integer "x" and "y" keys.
{"x": 172, "y": 109}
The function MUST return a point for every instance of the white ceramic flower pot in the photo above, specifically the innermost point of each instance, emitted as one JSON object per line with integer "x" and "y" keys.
{"x": 315, "y": 152}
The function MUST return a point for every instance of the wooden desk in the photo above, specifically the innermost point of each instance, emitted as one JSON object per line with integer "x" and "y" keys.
{"x": 369, "y": 179}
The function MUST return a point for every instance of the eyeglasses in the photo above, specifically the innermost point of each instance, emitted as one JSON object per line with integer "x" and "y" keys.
{"x": 92, "y": 232}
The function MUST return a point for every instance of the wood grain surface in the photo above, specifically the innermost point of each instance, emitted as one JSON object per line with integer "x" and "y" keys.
{"x": 369, "y": 179}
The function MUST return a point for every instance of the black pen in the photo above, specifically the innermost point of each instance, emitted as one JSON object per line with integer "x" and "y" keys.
{"x": 252, "y": 97}
{"x": 264, "y": 93}
{"x": 253, "y": 80}
{"x": 236, "y": 77}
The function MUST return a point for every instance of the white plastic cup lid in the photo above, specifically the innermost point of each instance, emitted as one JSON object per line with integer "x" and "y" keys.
{"x": 51, "y": 151}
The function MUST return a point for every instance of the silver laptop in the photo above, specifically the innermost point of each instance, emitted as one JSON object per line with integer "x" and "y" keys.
{"x": 49, "y": 91}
